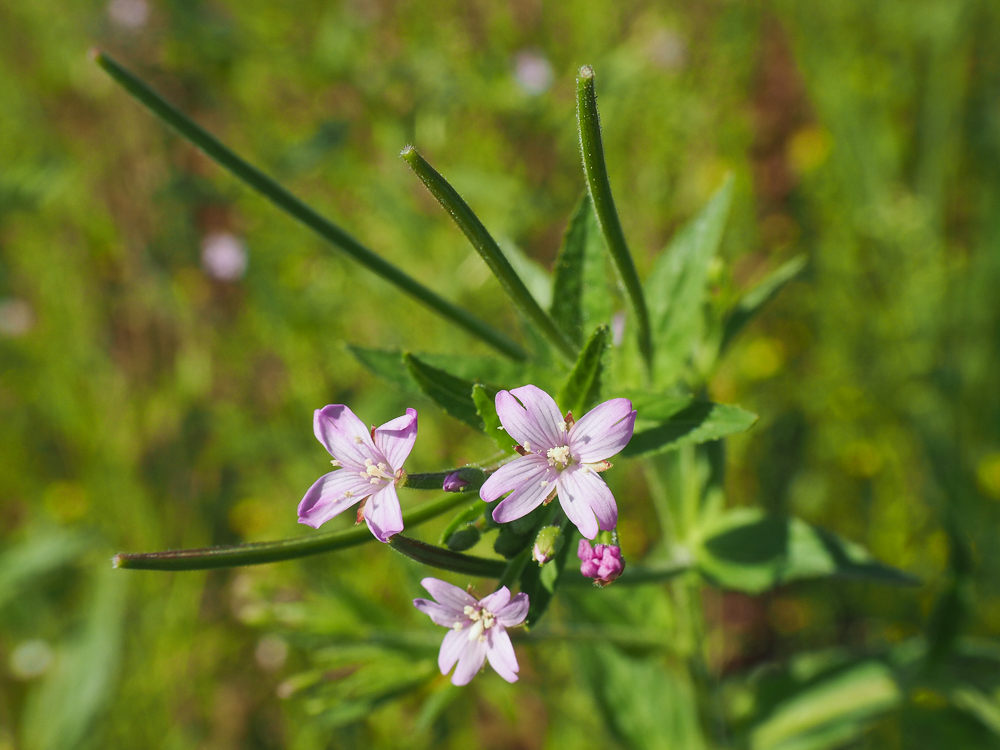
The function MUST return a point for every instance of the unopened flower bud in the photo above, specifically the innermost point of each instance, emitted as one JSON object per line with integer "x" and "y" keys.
{"x": 602, "y": 562}
{"x": 547, "y": 543}
{"x": 454, "y": 482}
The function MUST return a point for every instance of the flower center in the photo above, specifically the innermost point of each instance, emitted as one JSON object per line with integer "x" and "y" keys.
{"x": 376, "y": 473}
{"x": 482, "y": 620}
{"x": 559, "y": 457}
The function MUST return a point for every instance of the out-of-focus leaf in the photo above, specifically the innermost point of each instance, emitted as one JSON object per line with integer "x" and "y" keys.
{"x": 749, "y": 551}
{"x": 830, "y": 712}
{"x": 463, "y": 518}
{"x": 486, "y": 408}
{"x": 583, "y": 386}
{"x": 696, "y": 422}
{"x": 754, "y": 301}
{"x": 35, "y": 557}
{"x": 446, "y": 559}
{"x": 531, "y": 272}
{"x": 540, "y": 582}
{"x": 675, "y": 290}
{"x": 82, "y": 683}
{"x": 646, "y": 704}
{"x": 451, "y": 393}
{"x": 976, "y": 703}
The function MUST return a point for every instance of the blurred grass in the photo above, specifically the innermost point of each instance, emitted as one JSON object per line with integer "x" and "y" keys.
{"x": 151, "y": 406}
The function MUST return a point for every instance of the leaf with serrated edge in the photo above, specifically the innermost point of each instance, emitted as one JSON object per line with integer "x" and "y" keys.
{"x": 698, "y": 422}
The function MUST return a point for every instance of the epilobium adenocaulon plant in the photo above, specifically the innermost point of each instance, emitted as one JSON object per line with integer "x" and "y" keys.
{"x": 370, "y": 467}
{"x": 640, "y": 392}
{"x": 478, "y": 629}
{"x": 559, "y": 457}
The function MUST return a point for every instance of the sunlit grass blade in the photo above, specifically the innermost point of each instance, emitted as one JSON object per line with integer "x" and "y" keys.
{"x": 596, "y": 171}
{"x": 445, "y": 559}
{"x": 258, "y": 553}
{"x": 490, "y": 252}
{"x": 294, "y": 207}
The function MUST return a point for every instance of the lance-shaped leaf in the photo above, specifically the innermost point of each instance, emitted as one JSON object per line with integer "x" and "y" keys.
{"x": 257, "y": 553}
{"x": 831, "y": 712}
{"x": 388, "y": 364}
{"x": 486, "y": 408}
{"x": 749, "y": 551}
{"x": 682, "y": 421}
{"x": 582, "y": 388}
{"x": 677, "y": 285}
{"x": 596, "y": 172}
{"x": 446, "y": 559}
{"x": 754, "y": 301}
{"x": 581, "y": 286}
{"x": 490, "y": 252}
{"x": 451, "y": 393}
{"x": 266, "y": 186}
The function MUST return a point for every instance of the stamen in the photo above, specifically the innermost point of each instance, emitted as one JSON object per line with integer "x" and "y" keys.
{"x": 348, "y": 493}
{"x": 527, "y": 445}
{"x": 458, "y": 626}
{"x": 544, "y": 483}
{"x": 560, "y": 456}
{"x": 358, "y": 440}
{"x": 335, "y": 462}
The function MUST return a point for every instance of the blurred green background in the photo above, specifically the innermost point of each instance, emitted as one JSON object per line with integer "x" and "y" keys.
{"x": 165, "y": 335}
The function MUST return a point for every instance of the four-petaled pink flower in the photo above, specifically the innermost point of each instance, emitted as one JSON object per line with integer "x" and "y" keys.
{"x": 559, "y": 457}
{"x": 478, "y": 629}
{"x": 371, "y": 465}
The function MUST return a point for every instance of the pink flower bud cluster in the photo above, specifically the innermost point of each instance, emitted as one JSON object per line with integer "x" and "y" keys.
{"x": 602, "y": 562}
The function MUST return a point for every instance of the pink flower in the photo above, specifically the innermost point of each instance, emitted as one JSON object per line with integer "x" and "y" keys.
{"x": 602, "y": 562}
{"x": 559, "y": 457}
{"x": 454, "y": 482}
{"x": 478, "y": 629}
{"x": 371, "y": 466}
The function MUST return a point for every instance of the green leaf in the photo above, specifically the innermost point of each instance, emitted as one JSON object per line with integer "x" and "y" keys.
{"x": 486, "y": 408}
{"x": 676, "y": 287}
{"x": 646, "y": 704}
{"x": 535, "y": 277}
{"x": 81, "y": 686}
{"x": 582, "y": 388}
{"x": 22, "y": 564}
{"x": 446, "y": 559}
{"x": 463, "y": 518}
{"x": 749, "y": 551}
{"x": 754, "y": 301}
{"x": 386, "y": 364}
{"x": 453, "y": 394}
{"x": 389, "y": 365}
{"x": 694, "y": 423}
{"x": 580, "y": 290}
{"x": 831, "y": 712}
{"x": 267, "y": 187}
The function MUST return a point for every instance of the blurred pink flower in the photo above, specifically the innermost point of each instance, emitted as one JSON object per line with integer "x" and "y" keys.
{"x": 223, "y": 256}
{"x": 559, "y": 457}
{"x": 602, "y": 562}
{"x": 478, "y": 629}
{"x": 372, "y": 465}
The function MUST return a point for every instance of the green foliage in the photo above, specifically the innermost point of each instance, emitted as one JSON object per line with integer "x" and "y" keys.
{"x": 582, "y": 388}
{"x": 749, "y": 551}
{"x": 682, "y": 421}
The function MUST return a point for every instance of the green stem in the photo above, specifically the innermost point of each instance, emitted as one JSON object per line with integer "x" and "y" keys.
{"x": 487, "y": 247}
{"x": 596, "y": 172}
{"x": 283, "y": 199}
{"x": 445, "y": 559}
{"x": 258, "y": 553}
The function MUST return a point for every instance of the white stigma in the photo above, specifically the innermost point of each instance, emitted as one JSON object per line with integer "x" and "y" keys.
{"x": 482, "y": 620}
{"x": 377, "y": 472}
{"x": 559, "y": 457}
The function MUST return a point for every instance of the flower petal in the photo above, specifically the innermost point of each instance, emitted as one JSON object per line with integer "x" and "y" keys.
{"x": 500, "y": 652}
{"x": 519, "y": 472}
{"x": 536, "y": 422}
{"x": 452, "y": 648}
{"x": 603, "y": 431}
{"x": 439, "y": 613}
{"x": 326, "y": 498}
{"x": 395, "y": 438}
{"x": 525, "y": 499}
{"x": 449, "y": 596}
{"x": 496, "y": 601}
{"x": 514, "y": 612}
{"x": 471, "y": 659}
{"x": 383, "y": 515}
{"x": 344, "y": 436}
{"x": 590, "y": 496}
